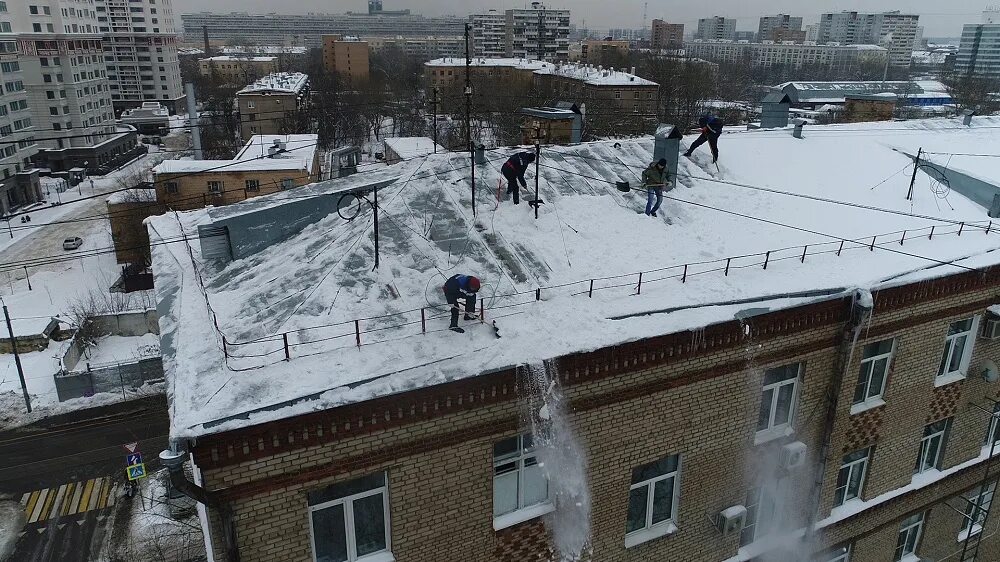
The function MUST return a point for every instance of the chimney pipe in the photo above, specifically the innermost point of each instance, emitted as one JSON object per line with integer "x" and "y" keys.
{"x": 208, "y": 47}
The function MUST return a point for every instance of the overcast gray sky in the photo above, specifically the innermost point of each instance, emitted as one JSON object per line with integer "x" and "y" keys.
{"x": 939, "y": 18}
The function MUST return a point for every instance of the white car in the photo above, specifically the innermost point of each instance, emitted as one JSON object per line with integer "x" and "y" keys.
{"x": 73, "y": 243}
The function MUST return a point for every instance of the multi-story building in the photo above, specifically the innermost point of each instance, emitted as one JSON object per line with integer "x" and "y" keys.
{"x": 793, "y": 35}
{"x": 839, "y": 58}
{"x": 489, "y": 34}
{"x": 716, "y": 28}
{"x": 668, "y": 36}
{"x": 272, "y": 105}
{"x": 894, "y": 30}
{"x": 594, "y": 51}
{"x": 838, "y": 404}
{"x": 238, "y": 70}
{"x": 18, "y": 182}
{"x": 770, "y": 24}
{"x": 140, "y": 52}
{"x": 61, "y": 57}
{"x": 449, "y": 72}
{"x": 745, "y": 35}
{"x": 308, "y": 29}
{"x": 420, "y": 47}
{"x": 537, "y": 33}
{"x": 979, "y": 50}
{"x": 346, "y": 57}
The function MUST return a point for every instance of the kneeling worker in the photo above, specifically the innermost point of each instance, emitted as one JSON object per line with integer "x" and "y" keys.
{"x": 461, "y": 286}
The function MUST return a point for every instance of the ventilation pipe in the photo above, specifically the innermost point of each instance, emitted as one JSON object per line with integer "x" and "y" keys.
{"x": 480, "y": 153}
{"x": 667, "y": 144}
{"x": 174, "y": 462}
{"x": 995, "y": 207}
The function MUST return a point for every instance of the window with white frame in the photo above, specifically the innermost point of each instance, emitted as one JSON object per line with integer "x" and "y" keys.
{"x": 777, "y": 401}
{"x": 981, "y": 496}
{"x": 932, "y": 446}
{"x": 909, "y": 537}
{"x": 215, "y": 186}
{"x": 172, "y": 187}
{"x": 253, "y": 185}
{"x": 518, "y": 481}
{"x": 958, "y": 347}
{"x": 287, "y": 183}
{"x": 761, "y": 514}
{"x": 836, "y": 554}
{"x": 350, "y": 521}
{"x": 851, "y": 477}
{"x": 875, "y": 360}
{"x": 993, "y": 431}
{"x": 652, "y": 499}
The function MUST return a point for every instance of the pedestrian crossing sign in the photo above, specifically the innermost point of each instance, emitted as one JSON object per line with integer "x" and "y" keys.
{"x": 135, "y": 472}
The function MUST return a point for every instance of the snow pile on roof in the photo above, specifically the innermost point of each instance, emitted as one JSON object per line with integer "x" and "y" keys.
{"x": 299, "y": 153}
{"x": 522, "y": 64}
{"x": 314, "y": 284}
{"x": 280, "y": 82}
{"x": 595, "y": 76}
{"x": 412, "y": 147}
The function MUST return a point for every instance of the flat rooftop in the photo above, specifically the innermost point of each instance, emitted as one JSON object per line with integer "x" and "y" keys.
{"x": 815, "y": 204}
{"x": 281, "y": 82}
{"x": 299, "y": 154}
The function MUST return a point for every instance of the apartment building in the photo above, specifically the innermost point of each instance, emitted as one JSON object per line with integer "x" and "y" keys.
{"x": 979, "y": 50}
{"x": 140, "y": 52}
{"x": 489, "y": 34}
{"x": 308, "y": 29}
{"x": 448, "y": 72}
{"x": 894, "y": 30}
{"x": 836, "y": 57}
{"x": 238, "y": 70}
{"x": 716, "y": 28}
{"x": 770, "y": 24}
{"x": 18, "y": 183}
{"x": 852, "y": 422}
{"x": 420, "y": 47}
{"x": 346, "y": 57}
{"x": 667, "y": 35}
{"x": 596, "y": 51}
{"x": 538, "y": 33}
{"x": 271, "y": 105}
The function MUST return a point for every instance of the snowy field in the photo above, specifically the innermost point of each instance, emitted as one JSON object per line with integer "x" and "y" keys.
{"x": 806, "y": 206}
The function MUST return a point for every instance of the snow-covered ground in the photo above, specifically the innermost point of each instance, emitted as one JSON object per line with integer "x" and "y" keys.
{"x": 714, "y": 231}
{"x": 122, "y": 349}
{"x": 11, "y": 521}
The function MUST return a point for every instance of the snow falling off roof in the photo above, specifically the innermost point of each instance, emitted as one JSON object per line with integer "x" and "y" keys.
{"x": 286, "y": 82}
{"x": 313, "y": 285}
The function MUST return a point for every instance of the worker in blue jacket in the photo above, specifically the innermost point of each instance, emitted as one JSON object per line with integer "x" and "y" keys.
{"x": 461, "y": 287}
{"x": 711, "y": 130}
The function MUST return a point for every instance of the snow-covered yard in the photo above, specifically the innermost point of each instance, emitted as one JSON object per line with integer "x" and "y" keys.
{"x": 11, "y": 521}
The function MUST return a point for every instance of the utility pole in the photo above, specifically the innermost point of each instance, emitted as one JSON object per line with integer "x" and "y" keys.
{"x": 193, "y": 120}
{"x": 913, "y": 178}
{"x": 537, "y": 137}
{"x": 434, "y": 104}
{"x": 468, "y": 113}
{"x": 17, "y": 357}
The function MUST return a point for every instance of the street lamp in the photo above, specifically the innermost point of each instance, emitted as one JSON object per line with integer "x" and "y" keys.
{"x": 359, "y": 198}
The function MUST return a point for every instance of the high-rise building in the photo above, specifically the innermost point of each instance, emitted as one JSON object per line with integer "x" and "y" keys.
{"x": 667, "y": 35}
{"x": 837, "y": 58}
{"x": 812, "y": 32}
{"x": 140, "y": 50}
{"x": 893, "y": 30}
{"x": 538, "y": 33}
{"x": 489, "y": 34}
{"x": 716, "y": 28}
{"x": 18, "y": 185}
{"x": 770, "y": 24}
{"x": 979, "y": 51}
{"x": 347, "y": 57}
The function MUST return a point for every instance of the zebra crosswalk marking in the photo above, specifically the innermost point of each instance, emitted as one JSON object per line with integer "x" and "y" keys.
{"x": 68, "y": 499}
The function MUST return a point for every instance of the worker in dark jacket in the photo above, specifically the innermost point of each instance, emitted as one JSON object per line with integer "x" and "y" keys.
{"x": 461, "y": 287}
{"x": 654, "y": 179}
{"x": 711, "y": 130}
{"x": 513, "y": 169}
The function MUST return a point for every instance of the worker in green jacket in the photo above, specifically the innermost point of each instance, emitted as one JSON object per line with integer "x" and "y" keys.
{"x": 654, "y": 179}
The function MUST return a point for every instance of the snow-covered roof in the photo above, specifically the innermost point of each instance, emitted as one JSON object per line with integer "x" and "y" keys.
{"x": 412, "y": 147}
{"x": 595, "y": 76}
{"x": 835, "y": 92}
{"x": 283, "y": 82}
{"x": 523, "y": 64}
{"x": 238, "y": 58}
{"x": 313, "y": 284}
{"x": 299, "y": 154}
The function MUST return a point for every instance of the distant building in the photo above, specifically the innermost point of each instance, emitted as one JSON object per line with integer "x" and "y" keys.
{"x": 346, "y": 57}
{"x": 489, "y": 34}
{"x": 812, "y": 32}
{"x": 793, "y": 35}
{"x": 266, "y": 164}
{"x": 668, "y": 36}
{"x": 716, "y": 28}
{"x": 419, "y": 47}
{"x": 869, "y": 107}
{"x": 812, "y": 95}
{"x": 270, "y": 105}
{"x": 748, "y": 36}
{"x": 781, "y": 22}
{"x": 595, "y": 51}
{"x": 835, "y": 57}
{"x": 893, "y": 30}
{"x": 238, "y": 70}
{"x": 562, "y": 124}
{"x": 150, "y": 118}
{"x": 398, "y": 149}
{"x": 979, "y": 51}
{"x": 448, "y": 72}
{"x": 537, "y": 33}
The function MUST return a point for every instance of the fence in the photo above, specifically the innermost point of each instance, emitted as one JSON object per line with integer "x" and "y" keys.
{"x": 357, "y": 333}
{"x": 111, "y": 377}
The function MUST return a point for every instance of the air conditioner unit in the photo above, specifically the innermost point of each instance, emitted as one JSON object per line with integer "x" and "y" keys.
{"x": 730, "y": 520}
{"x": 991, "y": 327}
{"x": 793, "y": 455}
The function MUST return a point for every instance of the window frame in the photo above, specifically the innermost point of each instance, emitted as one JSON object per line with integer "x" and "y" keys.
{"x": 941, "y": 435}
{"x": 904, "y": 530}
{"x": 773, "y": 430}
{"x": 349, "y": 528}
{"x": 851, "y": 466}
{"x": 993, "y": 429}
{"x": 984, "y": 506}
{"x": 216, "y": 184}
{"x": 866, "y": 368}
{"x": 521, "y": 512}
{"x": 758, "y": 495}
{"x": 945, "y": 376}
{"x": 171, "y": 187}
{"x": 652, "y": 530}
{"x": 252, "y": 185}
{"x": 838, "y": 553}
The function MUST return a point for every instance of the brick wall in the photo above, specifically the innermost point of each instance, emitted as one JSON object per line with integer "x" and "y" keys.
{"x": 694, "y": 393}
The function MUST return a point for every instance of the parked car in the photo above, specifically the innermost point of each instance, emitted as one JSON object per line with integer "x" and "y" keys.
{"x": 73, "y": 243}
